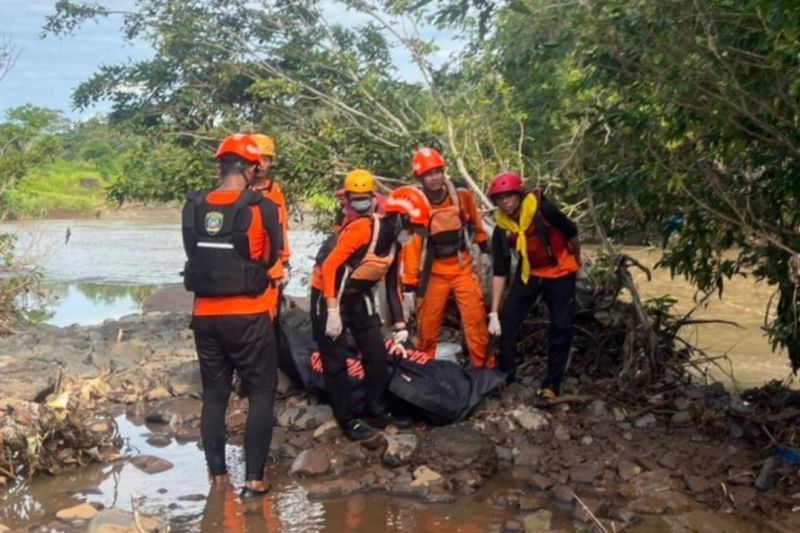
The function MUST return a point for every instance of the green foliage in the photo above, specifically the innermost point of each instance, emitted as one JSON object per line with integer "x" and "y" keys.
{"x": 59, "y": 186}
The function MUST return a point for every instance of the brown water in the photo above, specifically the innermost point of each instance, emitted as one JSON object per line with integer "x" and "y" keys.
{"x": 750, "y": 361}
{"x": 183, "y": 496}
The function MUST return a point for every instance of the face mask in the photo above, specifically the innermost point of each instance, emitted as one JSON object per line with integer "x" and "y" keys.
{"x": 404, "y": 237}
{"x": 361, "y": 205}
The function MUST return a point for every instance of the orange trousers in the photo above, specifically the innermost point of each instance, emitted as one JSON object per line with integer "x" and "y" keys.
{"x": 469, "y": 298}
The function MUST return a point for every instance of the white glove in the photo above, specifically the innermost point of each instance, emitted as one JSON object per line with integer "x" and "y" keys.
{"x": 400, "y": 336}
{"x": 409, "y": 304}
{"x": 333, "y": 326}
{"x": 494, "y": 325}
{"x": 486, "y": 265}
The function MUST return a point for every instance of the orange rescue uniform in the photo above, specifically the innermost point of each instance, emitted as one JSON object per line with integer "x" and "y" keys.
{"x": 272, "y": 191}
{"x": 453, "y": 273}
{"x": 259, "y": 248}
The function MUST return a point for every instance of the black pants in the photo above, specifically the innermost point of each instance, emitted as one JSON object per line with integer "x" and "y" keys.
{"x": 365, "y": 326}
{"x": 245, "y": 343}
{"x": 559, "y": 295}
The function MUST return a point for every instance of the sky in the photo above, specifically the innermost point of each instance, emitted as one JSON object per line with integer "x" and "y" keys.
{"x": 48, "y": 69}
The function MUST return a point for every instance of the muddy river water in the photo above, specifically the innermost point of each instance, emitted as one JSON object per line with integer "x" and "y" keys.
{"x": 109, "y": 267}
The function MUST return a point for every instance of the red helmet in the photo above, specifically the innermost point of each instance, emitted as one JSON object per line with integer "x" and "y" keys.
{"x": 242, "y": 145}
{"x": 411, "y": 202}
{"x": 506, "y": 182}
{"x": 426, "y": 159}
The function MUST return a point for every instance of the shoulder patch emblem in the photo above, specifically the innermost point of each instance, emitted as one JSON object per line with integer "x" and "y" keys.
{"x": 213, "y": 222}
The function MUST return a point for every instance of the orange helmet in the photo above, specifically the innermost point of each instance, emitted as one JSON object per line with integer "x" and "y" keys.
{"x": 411, "y": 202}
{"x": 242, "y": 145}
{"x": 265, "y": 144}
{"x": 426, "y": 159}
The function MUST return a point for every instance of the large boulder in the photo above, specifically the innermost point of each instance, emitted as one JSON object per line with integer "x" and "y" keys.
{"x": 30, "y": 380}
{"x": 452, "y": 449}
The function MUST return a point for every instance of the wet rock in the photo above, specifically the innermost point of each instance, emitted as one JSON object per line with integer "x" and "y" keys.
{"x": 304, "y": 417}
{"x": 335, "y": 488}
{"x": 424, "y": 476}
{"x": 377, "y": 442}
{"x": 659, "y": 502}
{"x": 715, "y": 396}
{"x": 516, "y": 394}
{"x": 513, "y": 526}
{"x": 598, "y": 411}
{"x": 399, "y": 449}
{"x": 645, "y": 421}
{"x": 158, "y": 393}
{"x": 527, "y": 455}
{"x": 627, "y": 470}
{"x": 583, "y": 474}
{"x": 452, "y": 449}
{"x": 175, "y": 411}
{"x": 538, "y": 521}
{"x": 192, "y": 498}
{"x": 697, "y": 484}
{"x": 150, "y": 464}
{"x": 158, "y": 440}
{"x": 619, "y": 414}
{"x": 681, "y": 418}
{"x": 586, "y": 508}
{"x": 310, "y": 463}
{"x": 327, "y": 431}
{"x": 587, "y": 440}
{"x": 119, "y": 521}
{"x": 83, "y": 511}
{"x": 504, "y": 454}
{"x": 183, "y": 379}
{"x": 563, "y": 494}
{"x": 529, "y": 419}
{"x": 354, "y": 453}
{"x": 681, "y": 403}
{"x": 562, "y": 433}
{"x": 531, "y": 503}
{"x": 540, "y": 482}
{"x": 767, "y": 478}
{"x": 669, "y": 460}
{"x": 467, "y": 482}
{"x": 30, "y": 380}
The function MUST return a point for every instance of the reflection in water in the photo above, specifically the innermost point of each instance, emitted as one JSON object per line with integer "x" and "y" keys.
{"x": 86, "y": 303}
{"x": 184, "y": 496}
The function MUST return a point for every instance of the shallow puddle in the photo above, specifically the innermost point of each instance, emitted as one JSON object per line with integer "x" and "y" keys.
{"x": 183, "y": 496}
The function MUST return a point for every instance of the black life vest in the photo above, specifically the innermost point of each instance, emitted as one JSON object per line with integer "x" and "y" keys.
{"x": 218, "y": 247}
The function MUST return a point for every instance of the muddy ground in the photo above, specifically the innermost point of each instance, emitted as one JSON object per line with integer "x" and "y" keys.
{"x": 689, "y": 455}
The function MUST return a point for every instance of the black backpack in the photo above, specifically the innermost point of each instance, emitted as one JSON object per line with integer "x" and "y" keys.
{"x": 218, "y": 247}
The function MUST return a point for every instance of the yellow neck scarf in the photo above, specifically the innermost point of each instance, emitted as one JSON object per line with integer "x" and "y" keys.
{"x": 526, "y": 214}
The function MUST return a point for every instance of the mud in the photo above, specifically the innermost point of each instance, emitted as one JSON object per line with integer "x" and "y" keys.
{"x": 680, "y": 462}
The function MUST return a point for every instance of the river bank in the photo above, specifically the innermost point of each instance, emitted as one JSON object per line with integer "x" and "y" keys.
{"x": 681, "y": 463}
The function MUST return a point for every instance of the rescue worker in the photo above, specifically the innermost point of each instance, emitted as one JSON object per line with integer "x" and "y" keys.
{"x": 439, "y": 263}
{"x": 271, "y": 190}
{"x": 366, "y": 251}
{"x": 232, "y": 237}
{"x": 546, "y": 244}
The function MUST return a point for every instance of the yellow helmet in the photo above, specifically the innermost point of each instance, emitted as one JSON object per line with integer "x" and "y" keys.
{"x": 359, "y": 181}
{"x": 265, "y": 144}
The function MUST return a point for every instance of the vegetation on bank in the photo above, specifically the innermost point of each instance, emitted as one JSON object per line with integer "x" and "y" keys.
{"x": 644, "y": 117}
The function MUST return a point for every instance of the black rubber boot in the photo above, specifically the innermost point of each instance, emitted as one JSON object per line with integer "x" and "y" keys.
{"x": 357, "y": 429}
